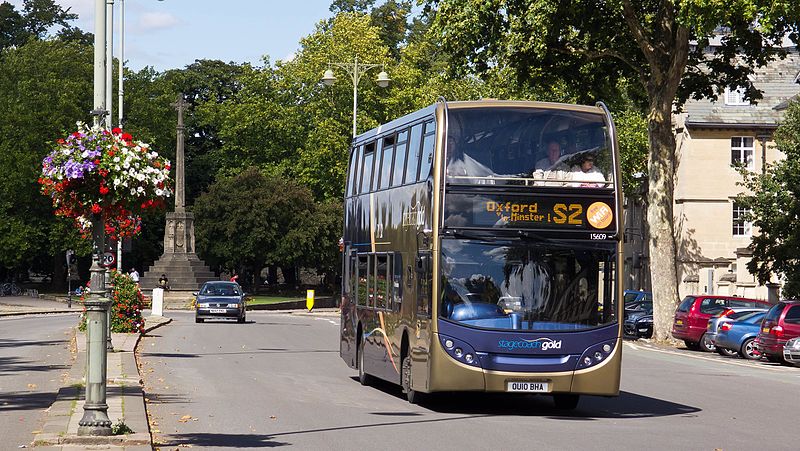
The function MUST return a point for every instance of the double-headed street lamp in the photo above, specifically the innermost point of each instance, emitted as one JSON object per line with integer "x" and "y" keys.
{"x": 356, "y": 70}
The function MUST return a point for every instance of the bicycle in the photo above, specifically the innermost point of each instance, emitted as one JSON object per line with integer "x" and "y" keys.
{"x": 10, "y": 289}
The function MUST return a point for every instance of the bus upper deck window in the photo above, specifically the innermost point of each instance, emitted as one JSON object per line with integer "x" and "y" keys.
{"x": 366, "y": 168}
{"x": 427, "y": 150}
{"x": 414, "y": 153}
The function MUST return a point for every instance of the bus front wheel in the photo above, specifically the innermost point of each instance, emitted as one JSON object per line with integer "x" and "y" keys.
{"x": 566, "y": 401}
{"x": 413, "y": 396}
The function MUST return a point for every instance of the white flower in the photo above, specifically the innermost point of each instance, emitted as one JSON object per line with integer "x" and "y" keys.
{"x": 116, "y": 160}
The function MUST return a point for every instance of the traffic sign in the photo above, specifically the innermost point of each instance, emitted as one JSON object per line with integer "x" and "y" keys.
{"x": 109, "y": 259}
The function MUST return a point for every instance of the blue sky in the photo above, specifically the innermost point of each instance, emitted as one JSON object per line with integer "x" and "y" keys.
{"x": 173, "y": 33}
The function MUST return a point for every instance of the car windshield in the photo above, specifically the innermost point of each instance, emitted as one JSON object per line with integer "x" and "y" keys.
{"x": 535, "y": 286}
{"x": 630, "y": 297}
{"x": 644, "y": 306}
{"x": 220, "y": 289}
{"x": 541, "y": 146}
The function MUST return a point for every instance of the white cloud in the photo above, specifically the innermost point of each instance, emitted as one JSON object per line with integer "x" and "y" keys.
{"x": 157, "y": 21}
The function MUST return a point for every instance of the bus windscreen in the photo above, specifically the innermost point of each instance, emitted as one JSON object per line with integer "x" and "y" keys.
{"x": 528, "y": 285}
{"x": 536, "y": 146}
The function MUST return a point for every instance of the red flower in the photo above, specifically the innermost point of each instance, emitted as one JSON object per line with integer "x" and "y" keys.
{"x": 96, "y": 209}
{"x": 116, "y": 130}
{"x": 96, "y": 161}
{"x": 103, "y": 190}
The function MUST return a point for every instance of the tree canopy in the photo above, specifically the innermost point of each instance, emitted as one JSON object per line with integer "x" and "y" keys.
{"x": 775, "y": 209}
{"x": 666, "y": 51}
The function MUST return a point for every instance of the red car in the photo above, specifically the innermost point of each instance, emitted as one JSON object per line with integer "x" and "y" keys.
{"x": 693, "y": 313}
{"x": 781, "y": 324}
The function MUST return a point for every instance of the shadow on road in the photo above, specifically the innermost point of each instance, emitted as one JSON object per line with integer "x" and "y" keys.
{"x": 18, "y": 365}
{"x": 220, "y": 440}
{"x": 626, "y": 405}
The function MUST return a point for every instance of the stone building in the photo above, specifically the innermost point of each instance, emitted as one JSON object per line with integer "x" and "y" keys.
{"x": 713, "y": 237}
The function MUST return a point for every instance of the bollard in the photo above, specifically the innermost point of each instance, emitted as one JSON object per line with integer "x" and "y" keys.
{"x": 309, "y": 299}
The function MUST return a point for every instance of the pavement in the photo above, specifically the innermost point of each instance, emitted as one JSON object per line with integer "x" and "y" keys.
{"x": 125, "y": 394}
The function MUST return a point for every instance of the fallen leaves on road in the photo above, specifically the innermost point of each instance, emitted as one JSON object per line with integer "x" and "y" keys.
{"x": 32, "y": 386}
{"x": 273, "y": 417}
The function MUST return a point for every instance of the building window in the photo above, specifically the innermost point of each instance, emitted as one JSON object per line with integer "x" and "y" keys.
{"x": 740, "y": 226}
{"x": 735, "y": 97}
{"x": 742, "y": 151}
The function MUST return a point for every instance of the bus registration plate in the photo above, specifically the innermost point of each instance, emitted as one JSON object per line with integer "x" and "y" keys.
{"x": 528, "y": 387}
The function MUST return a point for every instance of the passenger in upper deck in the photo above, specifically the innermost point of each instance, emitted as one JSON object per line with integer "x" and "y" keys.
{"x": 585, "y": 174}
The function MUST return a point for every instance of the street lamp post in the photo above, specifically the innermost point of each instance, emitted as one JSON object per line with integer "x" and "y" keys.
{"x": 356, "y": 70}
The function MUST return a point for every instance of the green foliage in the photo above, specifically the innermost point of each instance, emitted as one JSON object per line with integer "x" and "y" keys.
{"x": 252, "y": 221}
{"x": 17, "y": 28}
{"x": 127, "y": 303}
{"x": 120, "y": 428}
{"x": 775, "y": 208}
{"x": 632, "y": 136}
{"x": 45, "y": 86}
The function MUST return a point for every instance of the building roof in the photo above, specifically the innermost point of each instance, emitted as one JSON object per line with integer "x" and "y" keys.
{"x": 779, "y": 83}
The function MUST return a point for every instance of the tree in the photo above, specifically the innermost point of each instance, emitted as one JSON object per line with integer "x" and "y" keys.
{"x": 45, "y": 86}
{"x": 33, "y": 22}
{"x": 661, "y": 45}
{"x": 775, "y": 208}
{"x": 251, "y": 221}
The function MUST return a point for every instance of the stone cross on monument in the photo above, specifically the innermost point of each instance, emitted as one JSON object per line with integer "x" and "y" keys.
{"x": 184, "y": 269}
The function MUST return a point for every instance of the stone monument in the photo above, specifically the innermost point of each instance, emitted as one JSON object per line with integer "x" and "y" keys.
{"x": 184, "y": 269}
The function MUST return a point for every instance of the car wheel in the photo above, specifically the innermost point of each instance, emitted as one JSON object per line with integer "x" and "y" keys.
{"x": 726, "y": 352}
{"x": 691, "y": 345}
{"x": 706, "y": 345}
{"x": 566, "y": 401}
{"x": 240, "y": 320}
{"x": 413, "y": 396}
{"x": 363, "y": 377}
{"x": 198, "y": 320}
{"x": 749, "y": 350}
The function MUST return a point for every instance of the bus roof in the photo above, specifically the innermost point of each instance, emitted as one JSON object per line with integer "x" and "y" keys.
{"x": 430, "y": 109}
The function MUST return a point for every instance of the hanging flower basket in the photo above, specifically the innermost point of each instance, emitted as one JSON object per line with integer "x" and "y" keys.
{"x": 100, "y": 172}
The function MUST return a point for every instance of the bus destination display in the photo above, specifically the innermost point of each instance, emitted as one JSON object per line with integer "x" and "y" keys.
{"x": 529, "y": 212}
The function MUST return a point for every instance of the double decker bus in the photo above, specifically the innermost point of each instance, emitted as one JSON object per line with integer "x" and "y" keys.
{"x": 482, "y": 251}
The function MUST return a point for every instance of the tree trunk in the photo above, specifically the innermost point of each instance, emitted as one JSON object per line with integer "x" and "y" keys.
{"x": 660, "y": 219}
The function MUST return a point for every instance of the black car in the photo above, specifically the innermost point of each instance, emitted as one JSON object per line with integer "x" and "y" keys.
{"x": 638, "y": 320}
{"x": 219, "y": 299}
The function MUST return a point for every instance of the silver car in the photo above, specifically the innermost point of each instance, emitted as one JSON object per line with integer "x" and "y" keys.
{"x": 219, "y": 299}
{"x": 791, "y": 351}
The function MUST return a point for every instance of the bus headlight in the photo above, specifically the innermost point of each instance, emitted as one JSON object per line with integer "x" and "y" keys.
{"x": 460, "y": 350}
{"x": 595, "y": 354}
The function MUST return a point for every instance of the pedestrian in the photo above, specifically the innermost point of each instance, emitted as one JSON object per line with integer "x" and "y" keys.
{"x": 163, "y": 282}
{"x": 235, "y": 277}
{"x": 134, "y": 276}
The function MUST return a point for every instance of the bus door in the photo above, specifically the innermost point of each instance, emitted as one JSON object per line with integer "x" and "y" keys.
{"x": 420, "y": 353}
{"x": 349, "y": 319}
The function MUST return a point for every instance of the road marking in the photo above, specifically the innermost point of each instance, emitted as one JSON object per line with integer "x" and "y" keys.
{"x": 711, "y": 359}
{"x": 335, "y": 323}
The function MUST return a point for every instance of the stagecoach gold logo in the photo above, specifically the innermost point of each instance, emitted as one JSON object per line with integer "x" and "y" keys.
{"x": 599, "y": 215}
{"x": 414, "y": 217}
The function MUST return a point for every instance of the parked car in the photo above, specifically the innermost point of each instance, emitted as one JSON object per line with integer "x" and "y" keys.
{"x": 791, "y": 351}
{"x": 731, "y": 314}
{"x": 638, "y": 320}
{"x": 781, "y": 324}
{"x": 631, "y": 296}
{"x": 218, "y": 299}
{"x": 693, "y": 313}
{"x": 739, "y": 335}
